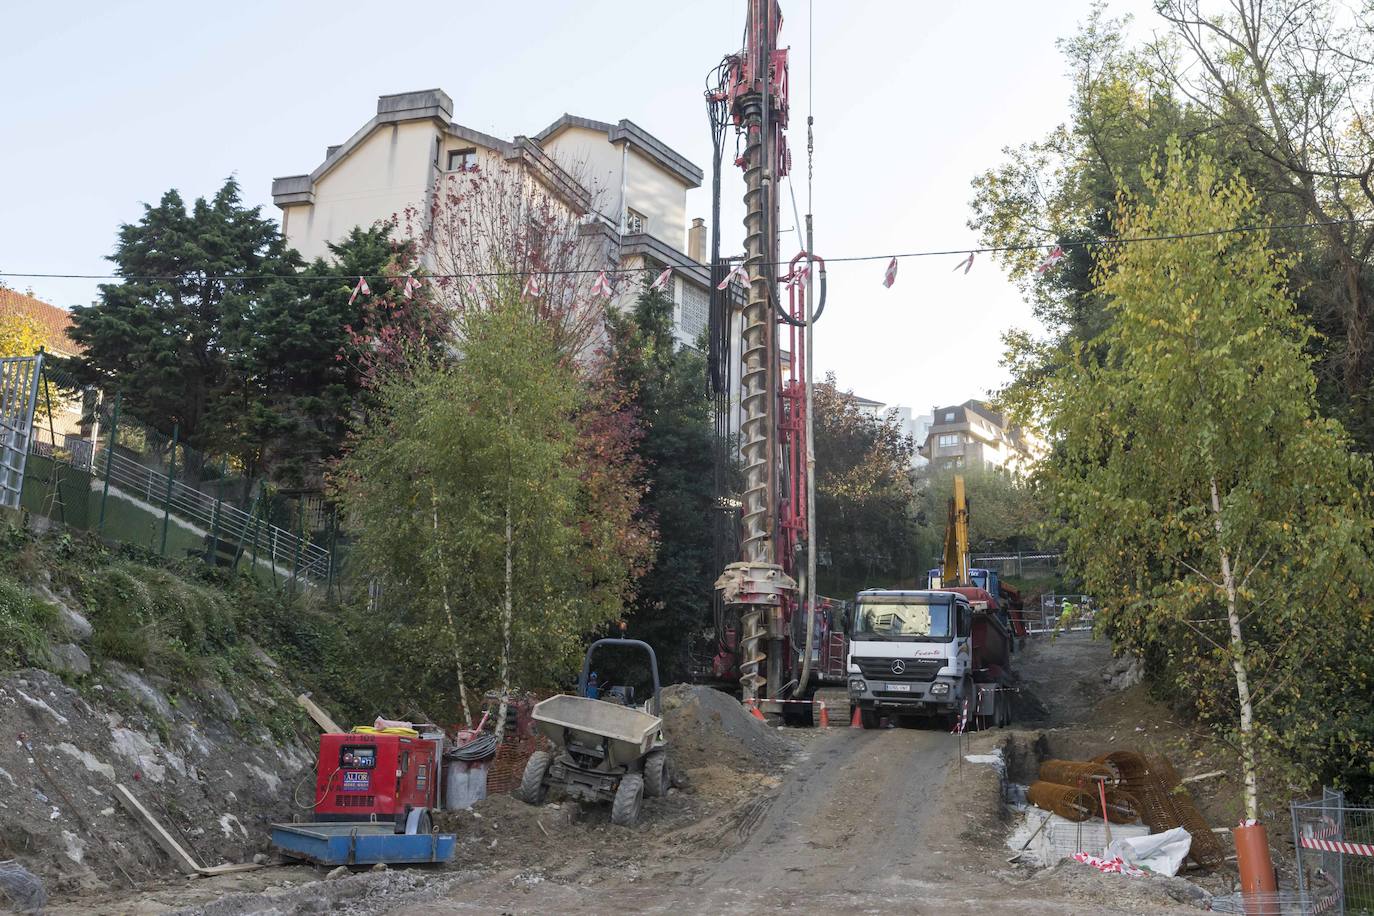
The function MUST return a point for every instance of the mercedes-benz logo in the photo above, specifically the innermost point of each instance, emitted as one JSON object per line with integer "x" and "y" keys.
{"x": 898, "y": 666}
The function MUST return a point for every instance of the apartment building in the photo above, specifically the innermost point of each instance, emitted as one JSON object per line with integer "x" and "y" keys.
{"x": 972, "y": 434}
{"x": 628, "y": 186}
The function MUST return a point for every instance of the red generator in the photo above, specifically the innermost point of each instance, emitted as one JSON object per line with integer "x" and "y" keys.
{"x": 374, "y": 776}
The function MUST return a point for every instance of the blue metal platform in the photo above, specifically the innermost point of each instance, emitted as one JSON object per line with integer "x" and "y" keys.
{"x": 361, "y": 843}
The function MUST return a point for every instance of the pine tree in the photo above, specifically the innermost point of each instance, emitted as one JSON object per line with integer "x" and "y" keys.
{"x": 303, "y": 357}
{"x": 159, "y": 336}
{"x": 664, "y": 384}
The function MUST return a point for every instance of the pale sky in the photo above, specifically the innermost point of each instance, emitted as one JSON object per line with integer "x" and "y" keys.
{"x": 107, "y": 105}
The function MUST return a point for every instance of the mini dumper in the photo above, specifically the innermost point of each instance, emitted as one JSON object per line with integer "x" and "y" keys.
{"x": 606, "y": 750}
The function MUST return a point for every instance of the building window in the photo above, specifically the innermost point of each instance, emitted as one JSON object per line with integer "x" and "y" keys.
{"x": 696, "y": 311}
{"x": 461, "y": 160}
{"x": 948, "y": 440}
{"x": 635, "y": 222}
{"x": 949, "y": 416}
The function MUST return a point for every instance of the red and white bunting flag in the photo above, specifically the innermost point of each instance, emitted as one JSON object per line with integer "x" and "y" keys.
{"x": 966, "y": 263}
{"x": 1051, "y": 259}
{"x": 532, "y": 287}
{"x": 890, "y": 275}
{"x": 410, "y": 288}
{"x": 360, "y": 287}
{"x": 662, "y": 279}
{"x": 737, "y": 274}
{"x": 601, "y": 286}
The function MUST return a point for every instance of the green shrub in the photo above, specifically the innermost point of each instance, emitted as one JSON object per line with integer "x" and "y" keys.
{"x": 25, "y": 623}
{"x": 155, "y": 619}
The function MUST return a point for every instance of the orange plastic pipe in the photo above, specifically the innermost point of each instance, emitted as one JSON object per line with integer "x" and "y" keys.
{"x": 1257, "y": 886}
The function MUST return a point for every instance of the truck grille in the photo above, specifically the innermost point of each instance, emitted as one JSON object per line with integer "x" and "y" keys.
{"x": 880, "y": 669}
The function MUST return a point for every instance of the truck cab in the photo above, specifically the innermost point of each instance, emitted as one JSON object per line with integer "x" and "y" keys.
{"x": 928, "y": 653}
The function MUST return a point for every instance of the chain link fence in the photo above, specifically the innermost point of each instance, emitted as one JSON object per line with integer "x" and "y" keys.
{"x": 1335, "y": 849}
{"x": 1034, "y": 565}
{"x": 92, "y": 465}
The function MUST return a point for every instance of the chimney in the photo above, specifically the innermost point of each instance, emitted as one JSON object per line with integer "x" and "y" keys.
{"x": 696, "y": 241}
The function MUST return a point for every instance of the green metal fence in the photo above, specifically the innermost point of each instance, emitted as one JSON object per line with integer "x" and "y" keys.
{"x": 93, "y": 465}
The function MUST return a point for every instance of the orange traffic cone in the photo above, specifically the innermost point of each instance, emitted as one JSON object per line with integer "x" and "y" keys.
{"x": 754, "y": 711}
{"x": 825, "y": 716}
{"x": 854, "y": 719}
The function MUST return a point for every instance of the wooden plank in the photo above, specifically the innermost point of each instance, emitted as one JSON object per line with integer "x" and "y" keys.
{"x": 229, "y": 868}
{"x": 180, "y": 857}
{"x": 326, "y": 724}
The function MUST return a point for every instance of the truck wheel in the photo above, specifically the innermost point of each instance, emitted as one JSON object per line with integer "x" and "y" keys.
{"x": 532, "y": 789}
{"x": 656, "y": 776}
{"x": 868, "y": 718}
{"x": 629, "y": 797}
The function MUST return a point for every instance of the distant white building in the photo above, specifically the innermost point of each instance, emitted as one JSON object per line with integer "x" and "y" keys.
{"x": 917, "y": 426}
{"x": 972, "y": 434}
{"x": 869, "y": 407}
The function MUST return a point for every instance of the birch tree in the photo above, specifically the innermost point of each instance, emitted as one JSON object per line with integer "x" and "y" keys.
{"x": 477, "y": 497}
{"x": 1222, "y": 522}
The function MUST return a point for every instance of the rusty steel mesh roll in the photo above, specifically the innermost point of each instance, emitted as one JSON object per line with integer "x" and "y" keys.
{"x": 1131, "y": 768}
{"x": 1206, "y": 850}
{"x": 1077, "y": 773}
{"x": 1122, "y": 806}
{"x": 1068, "y": 802}
{"x": 1164, "y": 803}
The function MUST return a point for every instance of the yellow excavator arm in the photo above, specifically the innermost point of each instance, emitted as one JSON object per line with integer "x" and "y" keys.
{"x": 954, "y": 568}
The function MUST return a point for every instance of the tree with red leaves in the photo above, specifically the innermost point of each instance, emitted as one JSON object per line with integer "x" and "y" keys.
{"x": 504, "y": 229}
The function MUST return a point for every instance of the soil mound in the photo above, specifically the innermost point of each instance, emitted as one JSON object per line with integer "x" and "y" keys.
{"x": 1027, "y": 708}
{"x": 705, "y": 726}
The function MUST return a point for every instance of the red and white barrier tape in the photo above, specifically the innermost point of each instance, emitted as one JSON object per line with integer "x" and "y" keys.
{"x": 1326, "y": 903}
{"x": 1324, "y": 829}
{"x": 1349, "y": 849}
{"x": 1109, "y": 866}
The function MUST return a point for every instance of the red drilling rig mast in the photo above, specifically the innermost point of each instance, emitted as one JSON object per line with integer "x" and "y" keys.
{"x": 760, "y": 591}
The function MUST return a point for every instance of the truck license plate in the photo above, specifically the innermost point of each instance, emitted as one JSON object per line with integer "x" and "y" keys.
{"x": 899, "y": 688}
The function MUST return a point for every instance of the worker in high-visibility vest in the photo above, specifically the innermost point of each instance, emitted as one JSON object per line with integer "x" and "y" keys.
{"x": 1066, "y": 616}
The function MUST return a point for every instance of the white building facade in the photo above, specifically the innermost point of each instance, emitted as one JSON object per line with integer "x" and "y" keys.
{"x": 632, "y": 186}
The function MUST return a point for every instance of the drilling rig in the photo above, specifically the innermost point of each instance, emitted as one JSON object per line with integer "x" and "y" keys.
{"x": 766, "y": 628}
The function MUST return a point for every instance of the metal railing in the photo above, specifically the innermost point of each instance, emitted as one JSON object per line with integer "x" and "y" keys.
{"x": 95, "y": 467}
{"x": 211, "y": 518}
{"x": 1335, "y": 849}
{"x": 1019, "y": 565}
{"x": 18, "y": 395}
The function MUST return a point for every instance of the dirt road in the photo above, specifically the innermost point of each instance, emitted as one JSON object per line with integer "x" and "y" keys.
{"x": 866, "y": 822}
{"x": 837, "y": 821}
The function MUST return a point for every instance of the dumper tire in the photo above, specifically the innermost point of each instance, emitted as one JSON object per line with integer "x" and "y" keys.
{"x": 419, "y": 822}
{"x": 629, "y": 798}
{"x": 532, "y": 789}
{"x": 657, "y": 779}
{"x": 869, "y": 718}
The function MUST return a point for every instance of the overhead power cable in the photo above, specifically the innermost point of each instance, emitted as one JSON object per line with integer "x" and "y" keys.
{"x": 479, "y": 275}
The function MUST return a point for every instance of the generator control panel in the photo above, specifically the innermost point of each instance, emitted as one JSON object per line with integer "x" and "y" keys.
{"x": 358, "y": 756}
